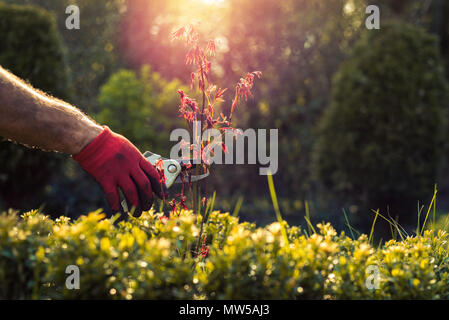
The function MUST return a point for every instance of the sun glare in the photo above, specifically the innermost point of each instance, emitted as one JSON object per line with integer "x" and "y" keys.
{"x": 212, "y": 1}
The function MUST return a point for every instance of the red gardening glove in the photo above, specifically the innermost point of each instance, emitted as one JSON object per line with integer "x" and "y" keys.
{"x": 114, "y": 162}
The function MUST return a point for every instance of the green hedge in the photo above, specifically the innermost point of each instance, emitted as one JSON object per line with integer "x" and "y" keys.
{"x": 381, "y": 141}
{"x": 147, "y": 105}
{"x": 152, "y": 258}
{"x": 31, "y": 48}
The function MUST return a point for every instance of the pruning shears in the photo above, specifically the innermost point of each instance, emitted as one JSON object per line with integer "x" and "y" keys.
{"x": 173, "y": 169}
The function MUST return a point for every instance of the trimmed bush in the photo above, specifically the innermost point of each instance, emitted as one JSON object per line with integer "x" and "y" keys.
{"x": 120, "y": 263}
{"x": 147, "y": 105}
{"x": 380, "y": 142}
{"x": 31, "y": 48}
{"x": 152, "y": 257}
{"x": 21, "y": 244}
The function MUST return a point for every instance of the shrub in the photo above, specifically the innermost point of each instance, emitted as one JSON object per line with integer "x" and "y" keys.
{"x": 151, "y": 257}
{"x": 31, "y": 48}
{"x": 380, "y": 143}
{"x": 92, "y": 53}
{"x": 21, "y": 244}
{"x": 123, "y": 262}
{"x": 147, "y": 105}
{"x": 117, "y": 264}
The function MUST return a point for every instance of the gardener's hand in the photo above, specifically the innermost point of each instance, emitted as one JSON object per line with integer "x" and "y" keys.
{"x": 116, "y": 163}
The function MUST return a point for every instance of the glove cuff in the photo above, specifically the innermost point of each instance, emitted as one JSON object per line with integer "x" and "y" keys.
{"x": 92, "y": 148}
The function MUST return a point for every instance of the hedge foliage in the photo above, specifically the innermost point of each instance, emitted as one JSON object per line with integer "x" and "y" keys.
{"x": 32, "y": 49}
{"x": 381, "y": 141}
{"x": 147, "y": 105}
{"x": 152, "y": 257}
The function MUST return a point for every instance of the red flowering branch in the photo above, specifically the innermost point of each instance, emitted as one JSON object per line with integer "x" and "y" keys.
{"x": 199, "y": 56}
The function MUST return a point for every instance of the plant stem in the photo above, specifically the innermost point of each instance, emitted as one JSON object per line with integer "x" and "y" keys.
{"x": 198, "y": 244}
{"x": 195, "y": 194}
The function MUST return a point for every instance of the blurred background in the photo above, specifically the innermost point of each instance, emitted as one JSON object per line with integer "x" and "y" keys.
{"x": 362, "y": 114}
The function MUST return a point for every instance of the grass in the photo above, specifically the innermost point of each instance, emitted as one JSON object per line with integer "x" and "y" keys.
{"x": 276, "y": 206}
{"x": 237, "y": 207}
{"x": 395, "y": 227}
{"x": 431, "y": 205}
{"x": 372, "y": 227}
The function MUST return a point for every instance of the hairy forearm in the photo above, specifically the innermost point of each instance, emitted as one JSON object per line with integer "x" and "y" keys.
{"x": 35, "y": 119}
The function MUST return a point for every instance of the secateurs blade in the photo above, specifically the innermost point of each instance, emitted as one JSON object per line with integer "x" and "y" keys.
{"x": 173, "y": 168}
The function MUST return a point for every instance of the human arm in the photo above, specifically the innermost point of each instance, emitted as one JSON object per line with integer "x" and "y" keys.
{"x": 36, "y": 119}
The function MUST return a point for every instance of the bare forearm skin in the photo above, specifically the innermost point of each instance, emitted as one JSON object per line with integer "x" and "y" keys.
{"x": 35, "y": 119}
